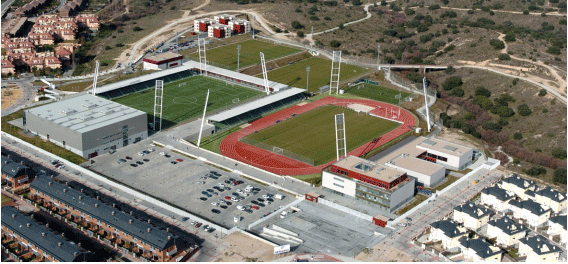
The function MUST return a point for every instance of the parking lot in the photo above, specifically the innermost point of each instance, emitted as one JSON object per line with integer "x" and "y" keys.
{"x": 203, "y": 190}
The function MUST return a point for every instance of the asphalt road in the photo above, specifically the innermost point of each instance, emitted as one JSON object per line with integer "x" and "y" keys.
{"x": 28, "y": 96}
{"x": 5, "y": 5}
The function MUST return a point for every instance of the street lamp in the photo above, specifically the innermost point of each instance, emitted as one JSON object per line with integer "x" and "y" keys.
{"x": 238, "y": 56}
{"x": 308, "y": 77}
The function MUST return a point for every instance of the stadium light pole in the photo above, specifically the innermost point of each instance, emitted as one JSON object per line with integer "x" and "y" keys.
{"x": 238, "y": 57}
{"x": 203, "y": 119}
{"x": 307, "y": 77}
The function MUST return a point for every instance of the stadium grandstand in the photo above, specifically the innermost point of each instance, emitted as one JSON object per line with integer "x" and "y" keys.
{"x": 188, "y": 69}
{"x": 256, "y": 108}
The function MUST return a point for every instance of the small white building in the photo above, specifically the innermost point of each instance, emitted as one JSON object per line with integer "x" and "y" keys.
{"x": 471, "y": 216}
{"x": 448, "y": 232}
{"x": 163, "y": 61}
{"x": 449, "y": 154}
{"x": 557, "y": 226}
{"x": 506, "y": 231}
{"x": 538, "y": 249}
{"x": 477, "y": 250}
{"x": 496, "y": 197}
{"x": 533, "y": 213}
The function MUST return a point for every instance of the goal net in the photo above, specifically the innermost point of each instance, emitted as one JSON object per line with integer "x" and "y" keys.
{"x": 181, "y": 84}
{"x": 236, "y": 100}
{"x": 277, "y": 150}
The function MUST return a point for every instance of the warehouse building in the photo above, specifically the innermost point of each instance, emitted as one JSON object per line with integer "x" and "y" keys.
{"x": 219, "y": 31}
{"x": 87, "y": 125}
{"x": 163, "y": 61}
{"x": 382, "y": 187}
{"x": 39, "y": 239}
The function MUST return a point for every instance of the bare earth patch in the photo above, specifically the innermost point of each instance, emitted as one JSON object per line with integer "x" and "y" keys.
{"x": 10, "y": 95}
{"x": 391, "y": 254}
{"x": 244, "y": 248}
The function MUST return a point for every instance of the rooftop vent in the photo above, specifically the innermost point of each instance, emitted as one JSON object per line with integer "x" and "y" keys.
{"x": 89, "y": 106}
{"x": 450, "y": 148}
{"x": 68, "y": 111}
{"x": 429, "y": 142}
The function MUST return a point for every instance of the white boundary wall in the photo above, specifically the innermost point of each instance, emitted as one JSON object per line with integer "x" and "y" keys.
{"x": 345, "y": 209}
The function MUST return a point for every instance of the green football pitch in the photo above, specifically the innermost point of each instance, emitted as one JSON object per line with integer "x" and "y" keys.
{"x": 226, "y": 56}
{"x": 320, "y": 71}
{"x": 184, "y": 99}
{"x": 377, "y": 93}
{"x": 312, "y": 134}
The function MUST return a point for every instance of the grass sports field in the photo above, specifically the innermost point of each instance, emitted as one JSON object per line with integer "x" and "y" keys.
{"x": 320, "y": 71}
{"x": 377, "y": 93}
{"x": 185, "y": 98}
{"x": 312, "y": 134}
{"x": 250, "y": 53}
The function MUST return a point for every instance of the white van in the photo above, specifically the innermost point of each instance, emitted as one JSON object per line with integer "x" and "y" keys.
{"x": 279, "y": 196}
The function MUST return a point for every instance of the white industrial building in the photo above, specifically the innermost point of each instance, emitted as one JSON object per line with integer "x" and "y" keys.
{"x": 87, "y": 125}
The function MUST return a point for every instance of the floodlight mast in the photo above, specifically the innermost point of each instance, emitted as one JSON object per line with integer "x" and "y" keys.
{"x": 203, "y": 119}
{"x": 426, "y": 106}
{"x": 158, "y": 99}
{"x": 340, "y": 135}
{"x": 379, "y": 57}
{"x": 95, "y": 77}
{"x": 264, "y": 74}
{"x": 238, "y": 57}
{"x": 335, "y": 70}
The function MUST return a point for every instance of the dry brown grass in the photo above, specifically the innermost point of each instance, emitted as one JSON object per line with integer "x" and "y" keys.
{"x": 10, "y": 95}
{"x": 244, "y": 248}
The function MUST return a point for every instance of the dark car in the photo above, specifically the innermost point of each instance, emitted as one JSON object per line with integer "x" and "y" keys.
{"x": 146, "y": 160}
{"x": 198, "y": 225}
{"x": 254, "y": 202}
{"x": 260, "y": 204}
{"x": 214, "y": 177}
{"x": 173, "y": 162}
{"x": 260, "y": 200}
{"x": 133, "y": 165}
{"x": 227, "y": 181}
{"x": 167, "y": 156}
{"x": 270, "y": 200}
{"x": 210, "y": 190}
{"x": 215, "y": 211}
{"x": 185, "y": 219}
{"x": 128, "y": 158}
{"x": 231, "y": 179}
{"x": 235, "y": 194}
{"x": 224, "y": 206}
{"x": 203, "y": 199}
{"x": 139, "y": 162}
{"x": 227, "y": 188}
{"x": 229, "y": 203}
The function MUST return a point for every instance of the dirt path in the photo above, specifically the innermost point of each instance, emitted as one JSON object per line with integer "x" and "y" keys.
{"x": 503, "y": 11}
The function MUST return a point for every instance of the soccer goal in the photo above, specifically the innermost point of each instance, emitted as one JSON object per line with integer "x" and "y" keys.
{"x": 236, "y": 100}
{"x": 181, "y": 84}
{"x": 277, "y": 150}
{"x": 230, "y": 83}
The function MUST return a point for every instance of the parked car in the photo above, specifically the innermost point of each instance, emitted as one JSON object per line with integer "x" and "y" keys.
{"x": 200, "y": 182}
{"x": 128, "y": 158}
{"x": 215, "y": 211}
{"x": 179, "y": 160}
{"x": 265, "y": 196}
{"x": 133, "y": 165}
{"x": 224, "y": 206}
{"x": 145, "y": 152}
{"x": 151, "y": 150}
{"x": 198, "y": 225}
{"x": 215, "y": 203}
{"x": 140, "y": 153}
{"x": 173, "y": 162}
{"x": 227, "y": 197}
{"x": 240, "y": 207}
{"x": 234, "y": 199}
{"x": 255, "y": 207}
{"x": 203, "y": 198}
{"x": 185, "y": 219}
{"x": 120, "y": 161}
{"x": 163, "y": 153}
{"x": 145, "y": 160}
{"x": 139, "y": 162}
{"x": 205, "y": 226}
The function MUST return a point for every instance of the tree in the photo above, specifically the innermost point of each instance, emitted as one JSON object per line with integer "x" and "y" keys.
{"x": 524, "y": 110}
{"x": 497, "y": 44}
{"x": 559, "y": 176}
{"x": 433, "y": 7}
{"x": 559, "y": 153}
{"x": 108, "y": 48}
{"x": 297, "y": 25}
{"x": 510, "y": 37}
{"x": 459, "y": 92}
{"x": 542, "y": 92}
{"x": 341, "y": 26}
{"x": 450, "y": 70}
{"x": 482, "y": 91}
{"x": 334, "y": 44}
{"x": 137, "y": 28}
{"x": 554, "y": 50}
{"x": 357, "y": 2}
{"x": 518, "y": 136}
{"x": 300, "y": 34}
{"x": 451, "y": 82}
{"x": 409, "y": 11}
{"x": 504, "y": 56}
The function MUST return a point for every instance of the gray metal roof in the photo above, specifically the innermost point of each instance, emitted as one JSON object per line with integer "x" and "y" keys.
{"x": 519, "y": 181}
{"x": 141, "y": 230}
{"x": 13, "y": 169}
{"x": 241, "y": 109}
{"x": 40, "y": 235}
{"x": 142, "y": 78}
{"x": 85, "y": 113}
{"x": 508, "y": 226}
{"x": 540, "y": 245}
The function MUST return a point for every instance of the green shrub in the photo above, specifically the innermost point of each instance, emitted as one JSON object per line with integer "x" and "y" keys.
{"x": 518, "y": 136}
{"x": 559, "y": 153}
{"x": 296, "y": 25}
{"x": 452, "y": 82}
{"x": 334, "y": 44}
{"x": 504, "y": 56}
{"x": 524, "y": 110}
{"x": 497, "y": 44}
{"x": 108, "y": 48}
{"x": 482, "y": 91}
{"x": 137, "y": 28}
{"x": 559, "y": 176}
{"x": 300, "y": 34}
{"x": 510, "y": 37}
{"x": 459, "y": 92}
{"x": 433, "y": 7}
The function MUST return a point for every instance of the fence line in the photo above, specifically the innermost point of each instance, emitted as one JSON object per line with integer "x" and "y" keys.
{"x": 345, "y": 209}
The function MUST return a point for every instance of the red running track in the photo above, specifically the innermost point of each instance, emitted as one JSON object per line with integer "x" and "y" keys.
{"x": 264, "y": 159}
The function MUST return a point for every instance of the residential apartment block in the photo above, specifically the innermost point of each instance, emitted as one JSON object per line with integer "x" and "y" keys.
{"x": 124, "y": 229}
{"x": 39, "y": 239}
